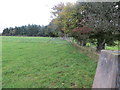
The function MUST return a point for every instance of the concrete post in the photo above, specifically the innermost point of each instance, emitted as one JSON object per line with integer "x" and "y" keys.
{"x": 108, "y": 70}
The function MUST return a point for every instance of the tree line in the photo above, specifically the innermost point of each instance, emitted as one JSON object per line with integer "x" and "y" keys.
{"x": 31, "y": 30}
{"x": 94, "y": 22}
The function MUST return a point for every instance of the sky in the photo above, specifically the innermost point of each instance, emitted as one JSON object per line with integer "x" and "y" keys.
{"x": 23, "y": 12}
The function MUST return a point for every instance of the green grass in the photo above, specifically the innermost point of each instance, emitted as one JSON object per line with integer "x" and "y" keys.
{"x": 42, "y": 62}
{"x": 106, "y": 47}
{"x": 112, "y": 48}
{"x": 115, "y": 47}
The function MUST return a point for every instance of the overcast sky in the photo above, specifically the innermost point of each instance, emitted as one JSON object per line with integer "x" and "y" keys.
{"x": 24, "y": 12}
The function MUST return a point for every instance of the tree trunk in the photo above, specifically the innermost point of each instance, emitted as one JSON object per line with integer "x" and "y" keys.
{"x": 100, "y": 45}
{"x": 82, "y": 43}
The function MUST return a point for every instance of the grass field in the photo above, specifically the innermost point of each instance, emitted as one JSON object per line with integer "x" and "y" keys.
{"x": 42, "y": 62}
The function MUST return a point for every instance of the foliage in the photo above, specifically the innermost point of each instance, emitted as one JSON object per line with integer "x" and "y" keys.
{"x": 103, "y": 19}
{"x": 100, "y": 17}
{"x": 31, "y": 30}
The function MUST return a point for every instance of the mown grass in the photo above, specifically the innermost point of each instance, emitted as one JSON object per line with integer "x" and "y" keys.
{"x": 42, "y": 62}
